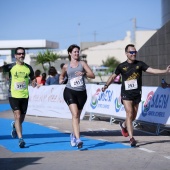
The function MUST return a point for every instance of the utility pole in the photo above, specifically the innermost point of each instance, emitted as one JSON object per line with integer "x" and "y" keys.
{"x": 79, "y": 39}
{"x": 94, "y": 36}
{"x": 134, "y": 31}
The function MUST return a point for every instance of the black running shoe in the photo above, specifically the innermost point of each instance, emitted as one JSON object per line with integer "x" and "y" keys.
{"x": 21, "y": 143}
{"x": 133, "y": 142}
{"x": 79, "y": 143}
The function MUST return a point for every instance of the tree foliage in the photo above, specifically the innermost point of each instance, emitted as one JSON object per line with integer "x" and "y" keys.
{"x": 111, "y": 63}
{"x": 46, "y": 57}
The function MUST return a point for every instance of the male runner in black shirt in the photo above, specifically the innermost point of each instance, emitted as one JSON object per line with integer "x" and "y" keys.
{"x": 131, "y": 71}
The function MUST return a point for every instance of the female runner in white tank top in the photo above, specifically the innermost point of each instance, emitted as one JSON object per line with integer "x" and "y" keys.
{"x": 75, "y": 91}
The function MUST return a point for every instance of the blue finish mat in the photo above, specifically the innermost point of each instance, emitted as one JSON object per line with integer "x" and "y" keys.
{"x": 4, "y": 107}
{"x": 43, "y": 139}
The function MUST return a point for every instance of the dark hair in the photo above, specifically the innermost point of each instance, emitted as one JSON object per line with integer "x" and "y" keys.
{"x": 52, "y": 71}
{"x": 19, "y": 48}
{"x": 44, "y": 75}
{"x": 61, "y": 65}
{"x": 70, "y": 49}
{"x": 37, "y": 73}
{"x": 129, "y": 45}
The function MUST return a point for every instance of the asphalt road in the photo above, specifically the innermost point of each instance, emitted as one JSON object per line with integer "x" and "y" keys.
{"x": 152, "y": 151}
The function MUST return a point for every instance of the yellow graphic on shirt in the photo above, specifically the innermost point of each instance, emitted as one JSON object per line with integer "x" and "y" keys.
{"x": 137, "y": 67}
{"x": 125, "y": 68}
{"x": 134, "y": 76}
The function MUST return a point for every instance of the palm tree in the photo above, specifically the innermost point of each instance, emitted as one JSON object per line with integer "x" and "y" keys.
{"x": 40, "y": 60}
{"x": 46, "y": 57}
{"x": 112, "y": 63}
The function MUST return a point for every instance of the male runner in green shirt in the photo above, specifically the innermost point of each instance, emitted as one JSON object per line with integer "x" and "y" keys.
{"x": 19, "y": 75}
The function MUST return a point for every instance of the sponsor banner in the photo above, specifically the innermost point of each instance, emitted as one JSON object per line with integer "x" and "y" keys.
{"x": 155, "y": 105}
{"x": 100, "y": 102}
{"x": 48, "y": 101}
{"x": 119, "y": 110}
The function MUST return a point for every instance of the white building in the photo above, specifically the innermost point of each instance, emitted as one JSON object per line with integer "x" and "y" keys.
{"x": 7, "y": 48}
{"x": 97, "y": 53}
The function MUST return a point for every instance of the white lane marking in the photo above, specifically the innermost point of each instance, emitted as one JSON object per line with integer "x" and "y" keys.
{"x": 125, "y": 144}
{"x": 67, "y": 131}
{"x": 102, "y": 140}
{"x": 167, "y": 157}
{"x": 103, "y": 129}
{"x": 147, "y": 150}
{"x": 39, "y": 123}
{"x": 53, "y": 127}
{"x": 90, "y": 130}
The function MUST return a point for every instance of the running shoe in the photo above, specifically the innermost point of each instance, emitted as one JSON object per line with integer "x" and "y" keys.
{"x": 21, "y": 143}
{"x": 133, "y": 142}
{"x": 123, "y": 130}
{"x": 79, "y": 143}
{"x": 72, "y": 140}
{"x": 13, "y": 132}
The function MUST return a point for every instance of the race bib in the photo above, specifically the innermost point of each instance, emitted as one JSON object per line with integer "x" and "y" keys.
{"x": 131, "y": 84}
{"x": 76, "y": 82}
{"x": 20, "y": 85}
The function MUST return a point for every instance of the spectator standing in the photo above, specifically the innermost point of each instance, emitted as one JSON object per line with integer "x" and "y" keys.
{"x": 53, "y": 77}
{"x": 43, "y": 80}
{"x": 38, "y": 76}
{"x": 66, "y": 77}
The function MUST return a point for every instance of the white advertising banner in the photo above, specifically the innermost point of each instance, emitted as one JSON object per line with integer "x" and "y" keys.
{"x": 155, "y": 105}
{"x": 48, "y": 101}
{"x": 101, "y": 102}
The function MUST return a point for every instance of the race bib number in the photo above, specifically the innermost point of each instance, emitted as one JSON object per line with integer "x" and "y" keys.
{"x": 76, "y": 82}
{"x": 20, "y": 85}
{"x": 131, "y": 84}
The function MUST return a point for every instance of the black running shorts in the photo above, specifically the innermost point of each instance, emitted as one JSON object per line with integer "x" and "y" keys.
{"x": 75, "y": 97}
{"x": 135, "y": 98}
{"x": 19, "y": 104}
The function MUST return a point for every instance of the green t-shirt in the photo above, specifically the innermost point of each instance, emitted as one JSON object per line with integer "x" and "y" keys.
{"x": 19, "y": 76}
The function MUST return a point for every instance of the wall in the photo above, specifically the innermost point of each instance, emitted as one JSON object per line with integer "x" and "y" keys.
{"x": 165, "y": 11}
{"x": 156, "y": 53}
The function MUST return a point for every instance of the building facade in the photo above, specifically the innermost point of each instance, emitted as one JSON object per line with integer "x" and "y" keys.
{"x": 97, "y": 54}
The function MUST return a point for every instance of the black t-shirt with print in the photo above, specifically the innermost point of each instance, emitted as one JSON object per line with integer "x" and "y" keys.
{"x": 131, "y": 77}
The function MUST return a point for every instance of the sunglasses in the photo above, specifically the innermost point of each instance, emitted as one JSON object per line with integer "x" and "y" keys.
{"x": 132, "y": 52}
{"x": 20, "y": 53}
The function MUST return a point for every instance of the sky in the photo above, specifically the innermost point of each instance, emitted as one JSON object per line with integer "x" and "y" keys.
{"x": 73, "y": 21}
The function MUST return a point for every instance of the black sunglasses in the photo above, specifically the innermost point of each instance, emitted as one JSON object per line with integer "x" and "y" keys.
{"x": 20, "y": 53}
{"x": 132, "y": 52}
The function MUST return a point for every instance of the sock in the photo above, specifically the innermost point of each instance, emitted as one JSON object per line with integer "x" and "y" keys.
{"x": 123, "y": 124}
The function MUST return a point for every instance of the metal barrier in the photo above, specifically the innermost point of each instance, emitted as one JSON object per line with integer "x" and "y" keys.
{"x": 4, "y": 89}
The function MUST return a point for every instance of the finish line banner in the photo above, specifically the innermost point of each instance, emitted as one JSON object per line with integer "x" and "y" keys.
{"x": 48, "y": 101}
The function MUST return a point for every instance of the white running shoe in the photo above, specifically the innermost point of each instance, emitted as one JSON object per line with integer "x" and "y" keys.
{"x": 72, "y": 140}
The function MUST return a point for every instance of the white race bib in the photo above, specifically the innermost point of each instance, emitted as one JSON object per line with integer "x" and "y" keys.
{"x": 76, "y": 82}
{"x": 131, "y": 84}
{"x": 20, "y": 85}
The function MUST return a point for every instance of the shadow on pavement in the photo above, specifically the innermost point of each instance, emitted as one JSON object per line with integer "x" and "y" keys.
{"x": 113, "y": 133}
{"x": 17, "y": 163}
